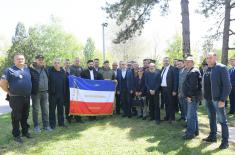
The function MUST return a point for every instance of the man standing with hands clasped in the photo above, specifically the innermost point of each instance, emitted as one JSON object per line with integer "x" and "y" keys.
{"x": 217, "y": 79}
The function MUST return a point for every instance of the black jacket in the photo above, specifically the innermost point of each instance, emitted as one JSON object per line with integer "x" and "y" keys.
{"x": 51, "y": 82}
{"x": 35, "y": 79}
{"x": 86, "y": 74}
{"x": 171, "y": 79}
{"x": 191, "y": 85}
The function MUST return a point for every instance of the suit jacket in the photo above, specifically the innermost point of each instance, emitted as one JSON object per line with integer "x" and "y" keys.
{"x": 85, "y": 74}
{"x": 232, "y": 76}
{"x": 129, "y": 78}
{"x": 171, "y": 79}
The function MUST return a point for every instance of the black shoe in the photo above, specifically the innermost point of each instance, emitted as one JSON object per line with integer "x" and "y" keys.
{"x": 157, "y": 122}
{"x": 151, "y": 119}
{"x": 63, "y": 126}
{"x": 144, "y": 118}
{"x": 69, "y": 120}
{"x": 223, "y": 146}
{"x": 166, "y": 119}
{"x": 209, "y": 139}
{"x": 231, "y": 112}
{"x": 196, "y": 133}
{"x": 124, "y": 115}
{"x": 27, "y": 135}
{"x": 188, "y": 137}
{"x": 18, "y": 140}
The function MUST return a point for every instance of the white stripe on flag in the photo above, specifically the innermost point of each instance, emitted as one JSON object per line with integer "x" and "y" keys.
{"x": 91, "y": 96}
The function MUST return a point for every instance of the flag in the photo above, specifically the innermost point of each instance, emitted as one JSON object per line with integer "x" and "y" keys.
{"x": 91, "y": 97}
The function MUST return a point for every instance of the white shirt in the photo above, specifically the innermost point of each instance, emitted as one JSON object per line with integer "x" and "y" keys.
{"x": 124, "y": 73}
{"x": 163, "y": 75}
{"x": 92, "y": 75}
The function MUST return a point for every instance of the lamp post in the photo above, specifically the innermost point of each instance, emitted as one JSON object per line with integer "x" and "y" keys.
{"x": 103, "y": 26}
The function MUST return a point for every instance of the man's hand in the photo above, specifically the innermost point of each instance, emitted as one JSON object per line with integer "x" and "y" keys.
{"x": 118, "y": 92}
{"x": 152, "y": 92}
{"x": 131, "y": 91}
{"x": 221, "y": 104}
{"x": 4, "y": 85}
{"x": 174, "y": 93}
{"x": 189, "y": 99}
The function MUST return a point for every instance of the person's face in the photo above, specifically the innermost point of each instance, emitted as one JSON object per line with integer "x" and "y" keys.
{"x": 166, "y": 61}
{"x": 180, "y": 64}
{"x": 96, "y": 63}
{"x": 175, "y": 63}
{"x": 189, "y": 63}
{"x": 77, "y": 61}
{"x": 39, "y": 62}
{"x": 106, "y": 65}
{"x": 151, "y": 67}
{"x": 135, "y": 66}
{"x": 211, "y": 60}
{"x": 232, "y": 62}
{"x": 145, "y": 63}
{"x": 66, "y": 64}
{"x": 19, "y": 60}
{"x": 90, "y": 65}
{"x": 140, "y": 72}
{"x": 129, "y": 65}
{"x": 123, "y": 65}
{"x": 57, "y": 64}
{"x": 114, "y": 66}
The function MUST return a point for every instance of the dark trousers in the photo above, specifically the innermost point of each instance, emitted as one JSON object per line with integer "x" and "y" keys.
{"x": 56, "y": 102}
{"x": 232, "y": 101}
{"x": 176, "y": 103}
{"x": 210, "y": 108}
{"x": 118, "y": 103}
{"x": 168, "y": 102}
{"x": 126, "y": 102}
{"x": 20, "y": 112}
{"x": 154, "y": 107}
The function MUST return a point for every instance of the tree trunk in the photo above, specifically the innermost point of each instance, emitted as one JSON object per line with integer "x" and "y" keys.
{"x": 225, "y": 45}
{"x": 185, "y": 28}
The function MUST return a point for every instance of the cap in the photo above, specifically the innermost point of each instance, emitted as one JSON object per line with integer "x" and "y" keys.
{"x": 39, "y": 57}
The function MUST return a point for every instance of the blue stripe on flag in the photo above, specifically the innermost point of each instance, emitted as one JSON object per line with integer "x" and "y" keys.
{"x": 95, "y": 85}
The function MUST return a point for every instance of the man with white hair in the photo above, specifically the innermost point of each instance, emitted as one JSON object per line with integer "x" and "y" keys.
{"x": 57, "y": 89}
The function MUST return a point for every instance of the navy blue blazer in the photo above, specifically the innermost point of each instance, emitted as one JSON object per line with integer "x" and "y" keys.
{"x": 232, "y": 76}
{"x": 129, "y": 78}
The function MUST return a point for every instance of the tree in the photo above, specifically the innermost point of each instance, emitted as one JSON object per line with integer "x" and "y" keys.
{"x": 131, "y": 15}
{"x": 174, "y": 50}
{"x": 89, "y": 50}
{"x": 221, "y": 8}
{"x": 185, "y": 27}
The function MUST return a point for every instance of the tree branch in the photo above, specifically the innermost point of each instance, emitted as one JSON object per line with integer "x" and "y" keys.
{"x": 232, "y": 20}
{"x": 232, "y": 5}
{"x": 231, "y": 48}
{"x": 231, "y": 32}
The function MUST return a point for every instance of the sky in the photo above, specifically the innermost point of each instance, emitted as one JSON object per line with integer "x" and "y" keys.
{"x": 83, "y": 18}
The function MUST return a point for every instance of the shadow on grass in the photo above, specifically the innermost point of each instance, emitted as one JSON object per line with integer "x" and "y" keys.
{"x": 164, "y": 138}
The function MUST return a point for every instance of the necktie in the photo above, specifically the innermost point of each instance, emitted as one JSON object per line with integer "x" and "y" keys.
{"x": 163, "y": 72}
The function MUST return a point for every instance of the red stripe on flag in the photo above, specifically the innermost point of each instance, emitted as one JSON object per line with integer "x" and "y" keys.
{"x": 91, "y": 108}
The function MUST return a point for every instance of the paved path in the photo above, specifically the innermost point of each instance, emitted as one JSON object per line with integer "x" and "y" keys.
{"x": 4, "y": 106}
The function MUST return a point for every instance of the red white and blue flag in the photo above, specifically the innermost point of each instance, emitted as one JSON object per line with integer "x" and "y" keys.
{"x": 91, "y": 97}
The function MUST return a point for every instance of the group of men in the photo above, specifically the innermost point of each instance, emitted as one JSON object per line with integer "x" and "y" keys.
{"x": 171, "y": 87}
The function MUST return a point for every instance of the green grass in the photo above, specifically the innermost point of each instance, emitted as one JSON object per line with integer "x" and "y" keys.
{"x": 113, "y": 136}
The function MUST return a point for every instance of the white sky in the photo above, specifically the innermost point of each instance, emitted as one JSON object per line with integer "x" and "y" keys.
{"x": 83, "y": 18}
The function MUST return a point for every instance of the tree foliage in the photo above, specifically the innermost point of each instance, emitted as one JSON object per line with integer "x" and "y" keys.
{"x": 131, "y": 15}
{"x": 174, "y": 50}
{"x": 89, "y": 50}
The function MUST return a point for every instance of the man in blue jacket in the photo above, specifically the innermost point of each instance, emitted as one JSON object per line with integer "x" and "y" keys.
{"x": 220, "y": 85}
{"x": 153, "y": 84}
{"x": 125, "y": 88}
{"x": 232, "y": 79}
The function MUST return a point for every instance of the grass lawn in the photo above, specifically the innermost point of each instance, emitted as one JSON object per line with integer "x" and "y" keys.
{"x": 113, "y": 136}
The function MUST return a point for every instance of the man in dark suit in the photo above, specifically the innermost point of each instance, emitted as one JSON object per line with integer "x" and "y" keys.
{"x": 92, "y": 74}
{"x": 169, "y": 88}
{"x": 125, "y": 88}
{"x": 232, "y": 80}
{"x": 117, "y": 96}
